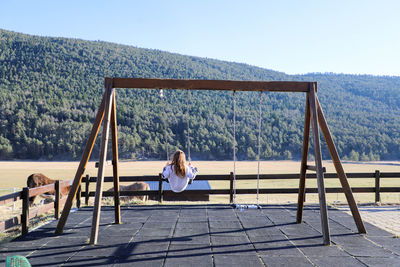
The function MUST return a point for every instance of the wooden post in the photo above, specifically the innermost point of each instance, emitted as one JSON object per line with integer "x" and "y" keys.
{"x": 87, "y": 189}
{"x": 57, "y": 200}
{"x": 114, "y": 137}
{"x": 102, "y": 161}
{"x": 160, "y": 188}
{"x": 377, "y": 186}
{"x": 318, "y": 165}
{"x": 339, "y": 170}
{"x": 25, "y": 210}
{"x": 78, "y": 199}
{"x": 81, "y": 168}
{"x": 303, "y": 169}
{"x": 231, "y": 188}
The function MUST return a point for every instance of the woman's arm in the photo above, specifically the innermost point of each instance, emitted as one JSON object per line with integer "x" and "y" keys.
{"x": 166, "y": 171}
{"x": 191, "y": 172}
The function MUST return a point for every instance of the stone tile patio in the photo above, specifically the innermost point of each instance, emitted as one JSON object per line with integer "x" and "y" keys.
{"x": 207, "y": 235}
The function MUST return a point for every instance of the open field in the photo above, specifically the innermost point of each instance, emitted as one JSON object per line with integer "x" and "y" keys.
{"x": 14, "y": 174}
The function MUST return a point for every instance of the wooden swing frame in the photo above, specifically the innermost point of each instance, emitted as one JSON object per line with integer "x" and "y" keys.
{"x": 314, "y": 117}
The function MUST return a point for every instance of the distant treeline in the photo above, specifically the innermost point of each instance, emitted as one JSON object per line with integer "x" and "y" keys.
{"x": 50, "y": 89}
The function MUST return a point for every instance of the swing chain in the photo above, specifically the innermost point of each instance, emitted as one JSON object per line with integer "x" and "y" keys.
{"x": 188, "y": 122}
{"x": 164, "y": 122}
{"x": 259, "y": 147}
{"x": 237, "y": 206}
{"x": 234, "y": 147}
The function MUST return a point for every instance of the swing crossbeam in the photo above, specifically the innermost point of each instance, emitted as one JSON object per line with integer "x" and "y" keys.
{"x": 222, "y": 85}
{"x": 314, "y": 118}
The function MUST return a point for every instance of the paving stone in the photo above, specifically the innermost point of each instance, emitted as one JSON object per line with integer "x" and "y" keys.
{"x": 323, "y": 251}
{"x": 338, "y": 230}
{"x": 17, "y": 250}
{"x": 225, "y": 224}
{"x": 307, "y": 241}
{"x": 90, "y": 261}
{"x": 228, "y": 232}
{"x": 119, "y": 232}
{"x": 368, "y": 251}
{"x": 201, "y": 239}
{"x": 157, "y": 225}
{"x": 152, "y": 261}
{"x": 233, "y": 249}
{"x": 196, "y": 225}
{"x": 384, "y": 217}
{"x": 375, "y": 231}
{"x": 155, "y": 232}
{"x": 179, "y": 232}
{"x": 189, "y": 250}
{"x": 67, "y": 240}
{"x": 193, "y": 218}
{"x": 256, "y": 223}
{"x": 181, "y": 260}
{"x": 55, "y": 251}
{"x": 150, "y": 239}
{"x": 298, "y": 230}
{"x": 163, "y": 219}
{"x": 279, "y": 250}
{"x": 98, "y": 250}
{"x": 236, "y": 260}
{"x": 229, "y": 240}
{"x": 47, "y": 261}
{"x": 145, "y": 249}
{"x": 353, "y": 240}
{"x": 222, "y": 218}
{"x": 273, "y": 246}
{"x": 264, "y": 231}
{"x": 298, "y": 261}
{"x": 281, "y": 220}
{"x": 268, "y": 239}
{"x": 336, "y": 261}
{"x": 385, "y": 241}
{"x": 379, "y": 261}
{"x": 127, "y": 219}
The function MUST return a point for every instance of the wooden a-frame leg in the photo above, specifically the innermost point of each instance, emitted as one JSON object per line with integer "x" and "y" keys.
{"x": 114, "y": 137}
{"x": 102, "y": 160}
{"x": 339, "y": 170}
{"x": 81, "y": 169}
{"x": 303, "y": 169}
{"x": 318, "y": 164}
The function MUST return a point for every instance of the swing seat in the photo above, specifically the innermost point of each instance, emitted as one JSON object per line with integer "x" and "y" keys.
{"x": 246, "y": 206}
{"x": 164, "y": 179}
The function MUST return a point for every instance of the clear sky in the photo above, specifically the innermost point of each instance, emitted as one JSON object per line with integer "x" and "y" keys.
{"x": 341, "y": 36}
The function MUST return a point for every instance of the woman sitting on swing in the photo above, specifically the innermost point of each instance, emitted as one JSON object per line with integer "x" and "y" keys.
{"x": 178, "y": 173}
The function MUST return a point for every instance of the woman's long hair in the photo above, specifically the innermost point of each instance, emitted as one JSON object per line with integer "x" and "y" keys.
{"x": 179, "y": 162}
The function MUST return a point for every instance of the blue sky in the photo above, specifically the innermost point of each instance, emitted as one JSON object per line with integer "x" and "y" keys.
{"x": 301, "y": 36}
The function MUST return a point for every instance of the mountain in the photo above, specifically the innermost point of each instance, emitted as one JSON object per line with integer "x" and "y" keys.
{"x": 50, "y": 89}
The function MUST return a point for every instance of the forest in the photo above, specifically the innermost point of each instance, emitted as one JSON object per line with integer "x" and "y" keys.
{"x": 50, "y": 90}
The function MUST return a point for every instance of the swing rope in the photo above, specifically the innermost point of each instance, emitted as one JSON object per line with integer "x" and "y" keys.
{"x": 164, "y": 122}
{"x": 241, "y": 207}
{"x": 259, "y": 148}
{"x": 234, "y": 147}
{"x": 188, "y": 120}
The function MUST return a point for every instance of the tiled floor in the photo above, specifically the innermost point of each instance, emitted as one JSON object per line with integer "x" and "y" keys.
{"x": 207, "y": 235}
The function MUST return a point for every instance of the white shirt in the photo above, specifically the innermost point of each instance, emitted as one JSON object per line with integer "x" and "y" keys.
{"x": 178, "y": 184}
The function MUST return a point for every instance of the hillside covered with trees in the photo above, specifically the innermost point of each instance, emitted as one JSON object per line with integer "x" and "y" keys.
{"x": 50, "y": 89}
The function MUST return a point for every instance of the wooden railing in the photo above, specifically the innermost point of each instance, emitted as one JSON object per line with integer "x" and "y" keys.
{"x": 160, "y": 193}
{"x": 27, "y": 212}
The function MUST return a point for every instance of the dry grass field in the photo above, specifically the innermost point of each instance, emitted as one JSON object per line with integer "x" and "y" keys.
{"x": 14, "y": 174}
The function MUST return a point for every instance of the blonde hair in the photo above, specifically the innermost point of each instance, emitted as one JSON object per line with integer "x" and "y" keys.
{"x": 179, "y": 161}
